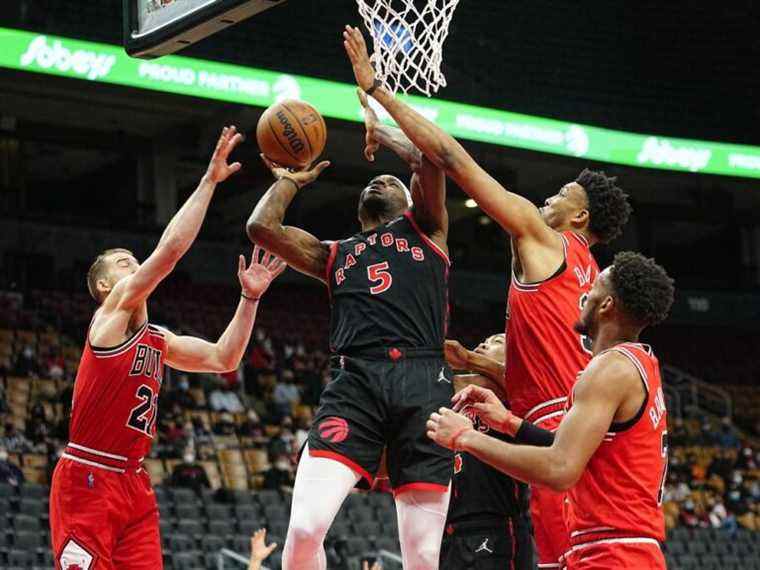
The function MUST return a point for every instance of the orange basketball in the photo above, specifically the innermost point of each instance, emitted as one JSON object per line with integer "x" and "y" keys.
{"x": 291, "y": 133}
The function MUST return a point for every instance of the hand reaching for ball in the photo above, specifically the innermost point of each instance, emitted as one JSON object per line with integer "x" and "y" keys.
{"x": 300, "y": 177}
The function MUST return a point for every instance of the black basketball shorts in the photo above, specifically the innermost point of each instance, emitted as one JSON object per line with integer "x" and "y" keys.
{"x": 384, "y": 398}
{"x": 484, "y": 545}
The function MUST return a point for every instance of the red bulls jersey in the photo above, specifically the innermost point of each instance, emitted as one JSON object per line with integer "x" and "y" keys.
{"x": 619, "y": 496}
{"x": 113, "y": 413}
{"x": 544, "y": 353}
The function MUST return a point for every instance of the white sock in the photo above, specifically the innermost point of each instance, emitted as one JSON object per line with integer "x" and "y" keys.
{"x": 320, "y": 489}
{"x": 421, "y": 522}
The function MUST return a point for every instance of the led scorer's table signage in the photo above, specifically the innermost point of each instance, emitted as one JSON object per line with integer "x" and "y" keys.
{"x": 40, "y": 53}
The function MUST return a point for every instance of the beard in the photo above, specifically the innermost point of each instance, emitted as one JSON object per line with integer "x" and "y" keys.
{"x": 376, "y": 206}
{"x": 582, "y": 327}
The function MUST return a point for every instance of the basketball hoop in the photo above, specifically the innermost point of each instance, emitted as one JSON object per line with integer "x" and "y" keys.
{"x": 408, "y": 38}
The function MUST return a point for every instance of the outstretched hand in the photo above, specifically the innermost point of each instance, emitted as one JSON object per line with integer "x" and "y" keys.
{"x": 370, "y": 124}
{"x": 457, "y": 356}
{"x": 259, "y": 549}
{"x": 256, "y": 278}
{"x": 218, "y": 170}
{"x": 488, "y": 406}
{"x": 300, "y": 177}
{"x": 356, "y": 48}
{"x": 446, "y": 427}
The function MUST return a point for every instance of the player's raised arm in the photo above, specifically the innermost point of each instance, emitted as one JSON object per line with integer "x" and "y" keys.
{"x": 193, "y": 354}
{"x": 605, "y": 385}
{"x": 428, "y": 185}
{"x": 301, "y": 250}
{"x": 517, "y": 215}
{"x": 181, "y": 231}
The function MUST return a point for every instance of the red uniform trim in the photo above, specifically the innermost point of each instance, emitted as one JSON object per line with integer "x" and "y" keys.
{"x": 434, "y": 246}
{"x": 108, "y": 352}
{"x": 330, "y": 262}
{"x": 345, "y": 461}
{"x": 420, "y": 486}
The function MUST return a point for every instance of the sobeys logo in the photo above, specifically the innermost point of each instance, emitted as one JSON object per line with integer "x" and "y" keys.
{"x": 89, "y": 64}
{"x": 660, "y": 151}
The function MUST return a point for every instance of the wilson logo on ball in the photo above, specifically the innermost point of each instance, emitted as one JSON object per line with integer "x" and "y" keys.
{"x": 334, "y": 430}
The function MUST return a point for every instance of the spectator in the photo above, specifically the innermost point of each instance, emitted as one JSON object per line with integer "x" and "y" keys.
{"x": 280, "y": 475}
{"x": 722, "y": 464}
{"x": 10, "y": 474}
{"x": 259, "y": 549}
{"x": 26, "y": 363}
{"x": 200, "y": 433}
{"x": 286, "y": 394}
{"x": 14, "y": 441}
{"x": 746, "y": 459}
{"x": 252, "y": 427}
{"x": 225, "y": 425}
{"x": 55, "y": 365}
{"x": 707, "y": 436}
{"x": 38, "y": 430}
{"x": 727, "y": 437}
{"x": 181, "y": 395}
{"x": 689, "y": 516}
{"x": 3, "y": 403}
{"x": 718, "y": 513}
{"x": 678, "y": 436}
{"x": 189, "y": 474}
{"x": 223, "y": 399}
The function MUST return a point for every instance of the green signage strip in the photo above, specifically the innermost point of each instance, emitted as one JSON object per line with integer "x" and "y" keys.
{"x": 105, "y": 63}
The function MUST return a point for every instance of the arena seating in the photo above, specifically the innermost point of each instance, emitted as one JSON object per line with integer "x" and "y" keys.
{"x": 195, "y": 526}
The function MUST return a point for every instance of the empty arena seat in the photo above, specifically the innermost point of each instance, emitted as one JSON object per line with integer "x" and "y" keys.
{"x": 247, "y": 512}
{"x": 687, "y": 562}
{"x": 21, "y": 558}
{"x": 187, "y": 560}
{"x": 191, "y": 527}
{"x": 218, "y": 512}
{"x": 35, "y": 491}
{"x": 250, "y": 526}
{"x": 26, "y": 540}
{"x": 212, "y": 543}
{"x": 368, "y": 528}
{"x": 180, "y": 542}
{"x": 221, "y": 527}
{"x": 26, "y": 523}
{"x": 269, "y": 497}
{"x": 697, "y": 547}
{"x": 187, "y": 511}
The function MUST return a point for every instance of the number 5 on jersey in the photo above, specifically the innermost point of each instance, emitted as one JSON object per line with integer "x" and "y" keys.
{"x": 378, "y": 274}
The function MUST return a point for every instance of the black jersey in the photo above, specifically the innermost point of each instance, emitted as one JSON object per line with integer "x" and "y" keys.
{"x": 388, "y": 287}
{"x": 479, "y": 490}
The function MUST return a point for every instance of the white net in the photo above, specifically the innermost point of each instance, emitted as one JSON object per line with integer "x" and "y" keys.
{"x": 408, "y": 38}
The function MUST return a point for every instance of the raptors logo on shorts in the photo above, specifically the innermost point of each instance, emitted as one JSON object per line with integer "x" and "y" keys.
{"x": 334, "y": 429}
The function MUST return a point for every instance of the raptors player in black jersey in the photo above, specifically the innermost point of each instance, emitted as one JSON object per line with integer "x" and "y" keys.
{"x": 388, "y": 297}
{"x": 487, "y": 527}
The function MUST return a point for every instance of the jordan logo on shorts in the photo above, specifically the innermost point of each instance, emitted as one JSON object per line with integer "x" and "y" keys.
{"x": 442, "y": 376}
{"x": 484, "y": 546}
{"x": 334, "y": 429}
{"x": 75, "y": 557}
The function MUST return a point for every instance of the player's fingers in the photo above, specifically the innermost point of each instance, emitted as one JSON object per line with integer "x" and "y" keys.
{"x": 431, "y": 434}
{"x": 435, "y": 417}
{"x": 321, "y": 166}
{"x": 234, "y": 167}
{"x": 266, "y": 258}
{"x": 233, "y": 142}
{"x": 241, "y": 264}
{"x": 269, "y": 164}
{"x": 255, "y": 255}
{"x": 362, "y": 98}
{"x": 282, "y": 266}
{"x": 271, "y": 548}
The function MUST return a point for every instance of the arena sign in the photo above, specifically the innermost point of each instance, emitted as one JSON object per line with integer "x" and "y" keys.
{"x": 88, "y": 61}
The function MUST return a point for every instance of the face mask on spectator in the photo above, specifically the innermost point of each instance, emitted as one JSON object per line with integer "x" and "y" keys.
{"x": 189, "y": 458}
{"x": 282, "y": 464}
{"x": 184, "y": 385}
{"x": 3, "y": 455}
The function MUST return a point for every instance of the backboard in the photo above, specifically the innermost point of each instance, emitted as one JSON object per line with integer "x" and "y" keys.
{"x": 153, "y": 28}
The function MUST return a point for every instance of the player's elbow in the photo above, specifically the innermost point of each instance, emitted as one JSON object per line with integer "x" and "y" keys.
{"x": 259, "y": 231}
{"x": 563, "y": 478}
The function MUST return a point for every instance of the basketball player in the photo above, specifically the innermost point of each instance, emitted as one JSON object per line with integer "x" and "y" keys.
{"x": 389, "y": 309}
{"x": 610, "y": 450}
{"x": 552, "y": 273}
{"x": 103, "y": 513}
{"x": 485, "y": 528}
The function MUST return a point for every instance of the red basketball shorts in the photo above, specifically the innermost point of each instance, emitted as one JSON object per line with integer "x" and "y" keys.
{"x": 103, "y": 520}
{"x": 547, "y": 510}
{"x": 620, "y": 554}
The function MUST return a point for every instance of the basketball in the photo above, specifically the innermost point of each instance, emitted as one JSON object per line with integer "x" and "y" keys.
{"x": 291, "y": 133}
